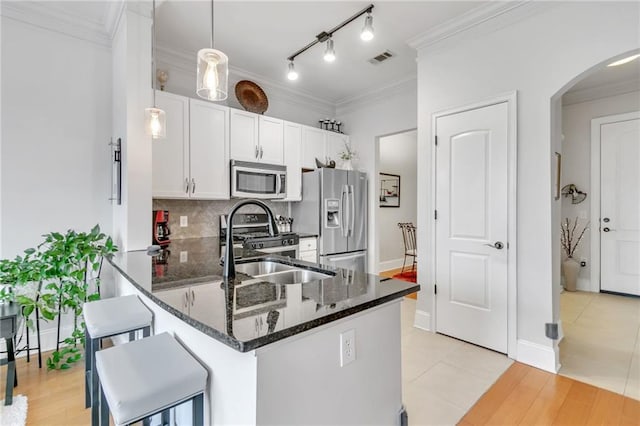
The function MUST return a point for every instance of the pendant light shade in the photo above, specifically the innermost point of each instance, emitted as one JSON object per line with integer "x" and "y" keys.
{"x": 367, "y": 30}
{"x": 213, "y": 71}
{"x": 155, "y": 121}
{"x": 213, "y": 75}
{"x": 330, "y": 53}
{"x": 292, "y": 74}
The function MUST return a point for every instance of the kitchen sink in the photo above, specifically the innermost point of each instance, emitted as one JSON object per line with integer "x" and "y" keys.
{"x": 262, "y": 267}
{"x": 279, "y": 273}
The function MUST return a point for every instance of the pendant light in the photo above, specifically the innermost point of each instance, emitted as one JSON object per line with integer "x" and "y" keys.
{"x": 330, "y": 52}
{"x": 367, "y": 30}
{"x": 292, "y": 74}
{"x": 213, "y": 71}
{"x": 155, "y": 119}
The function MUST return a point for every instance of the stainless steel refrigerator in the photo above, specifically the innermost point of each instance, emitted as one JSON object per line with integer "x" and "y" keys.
{"x": 334, "y": 207}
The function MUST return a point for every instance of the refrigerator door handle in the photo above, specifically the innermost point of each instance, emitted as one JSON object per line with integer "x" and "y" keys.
{"x": 352, "y": 210}
{"x": 344, "y": 199}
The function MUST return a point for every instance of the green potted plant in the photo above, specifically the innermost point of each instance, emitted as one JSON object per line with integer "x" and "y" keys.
{"x": 63, "y": 266}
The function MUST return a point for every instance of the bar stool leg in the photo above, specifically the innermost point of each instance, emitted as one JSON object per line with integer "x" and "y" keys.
{"x": 146, "y": 421}
{"x": 95, "y": 384}
{"x": 146, "y": 332}
{"x": 87, "y": 369}
{"x": 198, "y": 410}
{"x": 104, "y": 409}
{"x": 166, "y": 417}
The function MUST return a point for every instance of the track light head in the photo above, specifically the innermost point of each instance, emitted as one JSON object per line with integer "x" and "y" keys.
{"x": 292, "y": 74}
{"x": 367, "y": 30}
{"x": 330, "y": 53}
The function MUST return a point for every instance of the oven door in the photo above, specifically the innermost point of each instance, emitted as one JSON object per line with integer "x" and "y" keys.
{"x": 286, "y": 251}
{"x": 255, "y": 180}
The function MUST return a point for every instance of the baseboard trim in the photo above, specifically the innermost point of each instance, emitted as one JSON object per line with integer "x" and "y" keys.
{"x": 387, "y": 265}
{"x": 422, "y": 320}
{"x": 536, "y": 355}
{"x": 583, "y": 284}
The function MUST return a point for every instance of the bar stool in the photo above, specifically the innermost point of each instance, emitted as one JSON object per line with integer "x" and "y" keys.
{"x": 147, "y": 377}
{"x": 107, "y": 318}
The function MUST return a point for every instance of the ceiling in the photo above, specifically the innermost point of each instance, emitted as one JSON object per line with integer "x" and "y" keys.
{"x": 626, "y": 73}
{"x": 259, "y": 36}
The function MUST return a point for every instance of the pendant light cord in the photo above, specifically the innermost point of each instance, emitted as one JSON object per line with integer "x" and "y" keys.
{"x": 153, "y": 53}
{"x": 212, "y": 24}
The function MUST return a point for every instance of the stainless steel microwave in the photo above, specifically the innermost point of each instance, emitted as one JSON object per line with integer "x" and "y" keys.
{"x": 258, "y": 180}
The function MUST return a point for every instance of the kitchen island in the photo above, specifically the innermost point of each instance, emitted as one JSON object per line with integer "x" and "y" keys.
{"x": 276, "y": 352}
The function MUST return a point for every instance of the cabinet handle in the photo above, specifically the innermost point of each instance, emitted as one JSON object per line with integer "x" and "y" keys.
{"x": 261, "y": 152}
{"x": 256, "y": 324}
{"x": 186, "y": 185}
{"x": 257, "y": 151}
{"x": 186, "y": 299}
{"x": 193, "y": 298}
{"x": 193, "y": 185}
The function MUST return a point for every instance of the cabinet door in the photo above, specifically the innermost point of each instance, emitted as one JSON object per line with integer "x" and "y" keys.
{"x": 271, "y": 144}
{"x": 170, "y": 163}
{"x": 209, "y": 130}
{"x": 336, "y": 143}
{"x": 244, "y": 136}
{"x": 313, "y": 146}
{"x": 292, "y": 159}
{"x": 177, "y": 298}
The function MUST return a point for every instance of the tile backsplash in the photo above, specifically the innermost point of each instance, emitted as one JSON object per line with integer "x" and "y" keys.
{"x": 204, "y": 215}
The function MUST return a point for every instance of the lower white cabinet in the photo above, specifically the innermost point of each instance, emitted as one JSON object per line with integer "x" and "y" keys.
{"x": 198, "y": 301}
{"x": 257, "y": 326}
{"x": 308, "y": 249}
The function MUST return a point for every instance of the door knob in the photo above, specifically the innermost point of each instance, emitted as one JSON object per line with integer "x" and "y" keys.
{"x": 605, "y": 229}
{"x": 498, "y": 245}
{"x": 606, "y": 220}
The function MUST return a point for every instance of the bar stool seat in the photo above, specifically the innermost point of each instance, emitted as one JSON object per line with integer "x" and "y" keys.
{"x": 149, "y": 376}
{"x": 106, "y": 318}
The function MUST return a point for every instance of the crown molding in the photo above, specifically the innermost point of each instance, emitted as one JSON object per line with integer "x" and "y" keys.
{"x": 407, "y": 84}
{"x": 459, "y": 26}
{"x": 186, "y": 62}
{"x": 599, "y": 92}
{"x": 113, "y": 16}
{"x": 47, "y": 16}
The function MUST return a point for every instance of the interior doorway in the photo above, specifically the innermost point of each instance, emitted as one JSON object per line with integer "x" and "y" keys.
{"x": 600, "y": 331}
{"x": 396, "y": 189}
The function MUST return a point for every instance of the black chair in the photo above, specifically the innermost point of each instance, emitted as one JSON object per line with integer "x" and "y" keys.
{"x": 409, "y": 237}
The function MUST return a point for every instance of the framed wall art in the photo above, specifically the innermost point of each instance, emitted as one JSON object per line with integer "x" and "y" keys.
{"x": 389, "y": 190}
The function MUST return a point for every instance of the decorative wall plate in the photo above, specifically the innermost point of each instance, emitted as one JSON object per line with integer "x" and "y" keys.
{"x": 251, "y": 97}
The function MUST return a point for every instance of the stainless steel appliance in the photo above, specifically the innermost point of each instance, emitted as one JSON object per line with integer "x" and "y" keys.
{"x": 334, "y": 206}
{"x": 258, "y": 180}
{"x": 251, "y": 230}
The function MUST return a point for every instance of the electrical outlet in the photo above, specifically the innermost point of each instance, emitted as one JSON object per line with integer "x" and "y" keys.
{"x": 583, "y": 261}
{"x": 184, "y": 256}
{"x": 184, "y": 221}
{"x": 347, "y": 347}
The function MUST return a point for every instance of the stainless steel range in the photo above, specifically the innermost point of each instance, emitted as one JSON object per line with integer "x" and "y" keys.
{"x": 251, "y": 230}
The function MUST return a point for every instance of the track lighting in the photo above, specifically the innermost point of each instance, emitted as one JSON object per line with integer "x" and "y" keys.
{"x": 326, "y": 37}
{"x": 367, "y": 30}
{"x": 329, "y": 52}
{"x": 292, "y": 74}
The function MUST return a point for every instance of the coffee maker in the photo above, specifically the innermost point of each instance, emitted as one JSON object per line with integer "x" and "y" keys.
{"x": 161, "y": 230}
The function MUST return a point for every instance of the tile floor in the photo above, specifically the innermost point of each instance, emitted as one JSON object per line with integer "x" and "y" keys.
{"x": 442, "y": 378}
{"x": 601, "y": 344}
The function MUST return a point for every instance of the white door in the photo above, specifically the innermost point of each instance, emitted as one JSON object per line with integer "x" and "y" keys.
{"x": 244, "y": 136}
{"x": 313, "y": 146}
{"x": 209, "y": 150}
{"x": 471, "y": 226}
{"x": 620, "y": 206}
{"x": 170, "y": 163}
{"x": 271, "y": 146}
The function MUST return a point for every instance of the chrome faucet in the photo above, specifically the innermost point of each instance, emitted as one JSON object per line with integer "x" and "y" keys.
{"x": 229, "y": 271}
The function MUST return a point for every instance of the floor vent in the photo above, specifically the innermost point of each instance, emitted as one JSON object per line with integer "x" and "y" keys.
{"x": 381, "y": 57}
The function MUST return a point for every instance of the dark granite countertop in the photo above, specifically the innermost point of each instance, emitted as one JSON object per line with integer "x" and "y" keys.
{"x": 186, "y": 280}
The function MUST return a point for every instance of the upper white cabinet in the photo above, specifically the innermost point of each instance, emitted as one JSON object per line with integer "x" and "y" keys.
{"x": 313, "y": 146}
{"x": 170, "y": 173}
{"x": 323, "y": 145}
{"x": 193, "y": 160}
{"x": 209, "y": 150}
{"x": 292, "y": 159}
{"x": 256, "y": 138}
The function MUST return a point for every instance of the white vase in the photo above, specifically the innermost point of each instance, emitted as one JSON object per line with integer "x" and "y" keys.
{"x": 570, "y": 270}
{"x": 347, "y": 165}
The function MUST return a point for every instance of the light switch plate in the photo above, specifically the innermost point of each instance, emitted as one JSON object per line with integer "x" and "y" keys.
{"x": 184, "y": 256}
{"x": 184, "y": 221}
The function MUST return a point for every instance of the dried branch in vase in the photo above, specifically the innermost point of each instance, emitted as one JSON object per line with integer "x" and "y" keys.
{"x": 568, "y": 238}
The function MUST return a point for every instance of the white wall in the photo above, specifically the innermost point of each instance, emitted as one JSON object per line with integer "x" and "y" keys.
{"x": 397, "y": 156}
{"x": 56, "y": 120}
{"x": 283, "y": 104}
{"x": 390, "y": 111}
{"x": 576, "y": 161}
{"x": 548, "y": 46}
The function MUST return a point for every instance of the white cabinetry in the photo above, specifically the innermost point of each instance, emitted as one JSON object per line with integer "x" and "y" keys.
{"x": 308, "y": 249}
{"x": 256, "y": 138}
{"x": 257, "y": 326}
{"x": 197, "y": 301}
{"x": 193, "y": 160}
{"x": 323, "y": 145}
{"x": 292, "y": 159}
